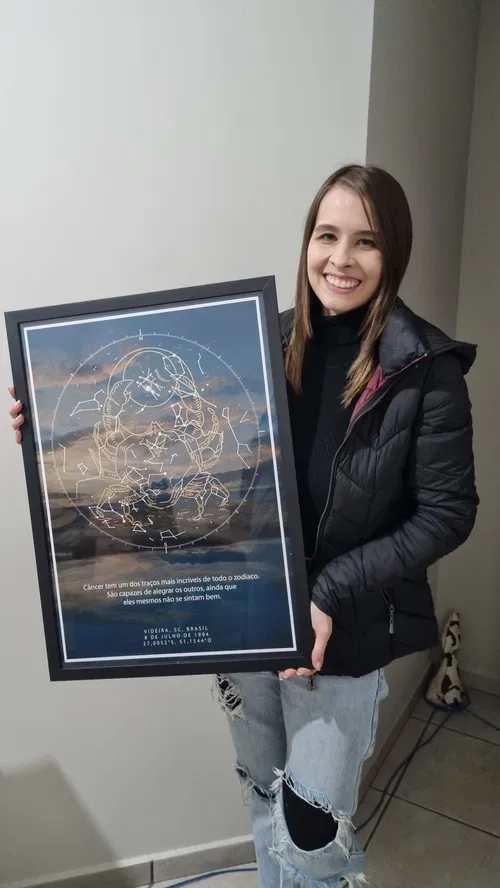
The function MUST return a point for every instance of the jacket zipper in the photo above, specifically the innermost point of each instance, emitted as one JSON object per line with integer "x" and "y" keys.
{"x": 391, "y": 608}
{"x": 371, "y": 403}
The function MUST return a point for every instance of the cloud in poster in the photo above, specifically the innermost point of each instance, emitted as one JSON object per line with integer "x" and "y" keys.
{"x": 69, "y": 453}
{"x": 242, "y": 415}
{"x": 48, "y": 378}
{"x": 232, "y": 385}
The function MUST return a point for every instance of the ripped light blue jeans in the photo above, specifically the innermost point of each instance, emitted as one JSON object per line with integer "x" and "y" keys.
{"x": 316, "y": 740}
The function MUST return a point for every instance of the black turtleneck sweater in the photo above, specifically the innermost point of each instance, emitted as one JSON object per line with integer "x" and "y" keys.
{"x": 318, "y": 418}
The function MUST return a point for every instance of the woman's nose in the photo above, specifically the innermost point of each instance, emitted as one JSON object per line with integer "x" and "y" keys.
{"x": 340, "y": 254}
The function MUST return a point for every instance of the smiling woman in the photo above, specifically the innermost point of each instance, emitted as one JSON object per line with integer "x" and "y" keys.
{"x": 379, "y": 505}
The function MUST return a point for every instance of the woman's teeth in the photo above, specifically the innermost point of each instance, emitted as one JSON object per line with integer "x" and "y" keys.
{"x": 341, "y": 282}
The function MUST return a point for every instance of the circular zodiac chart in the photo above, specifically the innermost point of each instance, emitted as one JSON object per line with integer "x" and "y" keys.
{"x": 156, "y": 441}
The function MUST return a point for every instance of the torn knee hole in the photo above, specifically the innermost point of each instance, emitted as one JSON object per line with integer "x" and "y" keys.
{"x": 308, "y": 818}
{"x": 310, "y": 827}
{"x": 228, "y": 696}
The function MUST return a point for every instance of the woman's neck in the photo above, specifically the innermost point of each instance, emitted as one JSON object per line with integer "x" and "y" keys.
{"x": 344, "y": 327}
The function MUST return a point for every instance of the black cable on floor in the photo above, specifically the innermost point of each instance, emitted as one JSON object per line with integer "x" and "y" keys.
{"x": 449, "y": 710}
{"x": 224, "y": 872}
{"x": 404, "y": 764}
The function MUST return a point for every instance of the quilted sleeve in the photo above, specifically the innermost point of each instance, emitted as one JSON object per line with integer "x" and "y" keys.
{"x": 442, "y": 483}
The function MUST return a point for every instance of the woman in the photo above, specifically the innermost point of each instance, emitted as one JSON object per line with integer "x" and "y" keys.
{"x": 383, "y": 446}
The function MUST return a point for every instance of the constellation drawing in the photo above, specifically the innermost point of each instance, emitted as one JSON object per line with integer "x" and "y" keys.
{"x": 241, "y": 448}
{"x": 168, "y": 467}
{"x": 90, "y": 404}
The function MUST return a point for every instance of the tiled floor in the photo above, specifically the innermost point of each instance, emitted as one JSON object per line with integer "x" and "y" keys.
{"x": 442, "y": 828}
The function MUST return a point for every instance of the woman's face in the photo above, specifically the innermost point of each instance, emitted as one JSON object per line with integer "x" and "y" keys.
{"x": 344, "y": 264}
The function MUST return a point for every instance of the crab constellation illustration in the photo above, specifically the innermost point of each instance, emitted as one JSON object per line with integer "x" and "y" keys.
{"x": 158, "y": 443}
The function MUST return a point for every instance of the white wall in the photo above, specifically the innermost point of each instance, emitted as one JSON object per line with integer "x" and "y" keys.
{"x": 145, "y": 145}
{"x": 470, "y": 579}
{"x": 421, "y": 94}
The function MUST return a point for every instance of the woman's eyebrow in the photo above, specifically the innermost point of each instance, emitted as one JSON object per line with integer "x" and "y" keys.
{"x": 325, "y": 226}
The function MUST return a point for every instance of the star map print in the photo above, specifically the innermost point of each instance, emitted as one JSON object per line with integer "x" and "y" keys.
{"x": 165, "y": 450}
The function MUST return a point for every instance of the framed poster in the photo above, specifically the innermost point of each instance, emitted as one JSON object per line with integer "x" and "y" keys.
{"x": 161, "y": 483}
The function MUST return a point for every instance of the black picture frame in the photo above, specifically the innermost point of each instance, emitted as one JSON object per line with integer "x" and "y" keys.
{"x": 26, "y": 329}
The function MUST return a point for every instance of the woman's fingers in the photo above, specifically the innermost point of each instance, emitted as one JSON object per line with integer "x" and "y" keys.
{"x": 291, "y": 673}
{"x": 287, "y": 673}
{"x": 15, "y": 409}
{"x": 17, "y": 416}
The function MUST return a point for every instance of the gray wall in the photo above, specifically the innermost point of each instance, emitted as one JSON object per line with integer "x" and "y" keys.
{"x": 145, "y": 145}
{"x": 421, "y": 94}
{"x": 469, "y": 580}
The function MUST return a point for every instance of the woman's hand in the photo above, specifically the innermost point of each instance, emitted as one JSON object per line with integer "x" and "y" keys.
{"x": 322, "y": 625}
{"x": 17, "y": 416}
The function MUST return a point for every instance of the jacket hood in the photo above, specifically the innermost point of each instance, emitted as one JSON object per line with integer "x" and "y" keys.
{"x": 405, "y": 339}
{"x": 408, "y": 337}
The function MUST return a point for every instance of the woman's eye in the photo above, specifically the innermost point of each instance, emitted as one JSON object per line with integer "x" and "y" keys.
{"x": 367, "y": 242}
{"x": 327, "y": 237}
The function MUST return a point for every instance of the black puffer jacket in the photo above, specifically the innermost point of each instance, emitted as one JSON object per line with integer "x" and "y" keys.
{"x": 402, "y": 496}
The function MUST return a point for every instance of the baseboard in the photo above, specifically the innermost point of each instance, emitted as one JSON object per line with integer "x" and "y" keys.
{"x": 377, "y": 762}
{"x": 481, "y": 682}
{"x": 145, "y": 871}
{"x": 126, "y": 874}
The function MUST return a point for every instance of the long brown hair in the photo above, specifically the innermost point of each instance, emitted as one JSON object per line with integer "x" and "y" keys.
{"x": 389, "y": 214}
